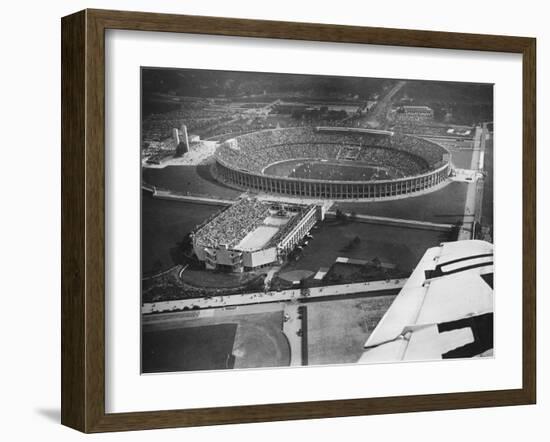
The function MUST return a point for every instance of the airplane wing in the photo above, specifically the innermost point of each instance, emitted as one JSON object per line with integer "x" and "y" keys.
{"x": 444, "y": 310}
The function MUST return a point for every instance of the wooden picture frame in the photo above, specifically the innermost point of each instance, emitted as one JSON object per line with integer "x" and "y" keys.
{"x": 83, "y": 220}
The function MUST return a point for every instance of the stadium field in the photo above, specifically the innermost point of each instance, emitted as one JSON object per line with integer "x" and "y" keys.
{"x": 340, "y": 172}
{"x": 164, "y": 225}
{"x": 258, "y": 238}
{"x": 338, "y": 329}
{"x": 398, "y": 245}
{"x": 256, "y": 341}
{"x": 188, "y": 348}
{"x": 328, "y": 170}
{"x": 442, "y": 206}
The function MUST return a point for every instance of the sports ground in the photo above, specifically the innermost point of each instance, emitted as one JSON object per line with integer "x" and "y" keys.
{"x": 189, "y": 348}
{"x": 238, "y": 337}
{"x": 327, "y": 170}
{"x": 252, "y": 336}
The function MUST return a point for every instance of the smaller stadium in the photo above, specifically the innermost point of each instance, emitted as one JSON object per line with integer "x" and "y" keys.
{"x": 251, "y": 234}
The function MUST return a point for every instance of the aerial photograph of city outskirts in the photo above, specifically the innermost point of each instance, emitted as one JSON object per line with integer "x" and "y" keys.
{"x": 291, "y": 220}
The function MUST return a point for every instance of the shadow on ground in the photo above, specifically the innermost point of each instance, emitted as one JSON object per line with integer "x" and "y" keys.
{"x": 51, "y": 414}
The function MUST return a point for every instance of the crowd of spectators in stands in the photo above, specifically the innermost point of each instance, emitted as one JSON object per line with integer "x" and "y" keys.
{"x": 428, "y": 151}
{"x": 233, "y": 224}
{"x": 255, "y": 151}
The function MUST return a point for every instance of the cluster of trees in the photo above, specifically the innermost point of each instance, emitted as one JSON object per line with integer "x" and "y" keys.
{"x": 345, "y": 217}
{"x": 352, "y": 244}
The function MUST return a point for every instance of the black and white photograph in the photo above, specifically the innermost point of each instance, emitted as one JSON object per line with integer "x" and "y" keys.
{"x": 254, "y": 222}
{"x": 293, "y": 220}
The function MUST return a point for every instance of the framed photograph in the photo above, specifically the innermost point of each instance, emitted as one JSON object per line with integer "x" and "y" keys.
{"x": 268, "y": 220}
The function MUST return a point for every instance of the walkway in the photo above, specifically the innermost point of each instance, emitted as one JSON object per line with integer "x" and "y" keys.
{"x": 272, "y": 296}
{"x": 466, "y": 231}
{"x": 168, "y": 195}
{"x": 291, "y": 326}
{"x": 397, "y": 221}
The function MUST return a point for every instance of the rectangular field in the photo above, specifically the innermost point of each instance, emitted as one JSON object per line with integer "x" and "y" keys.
{"x": 338, "y": 329}
{"x": 258, "y": 238}
{"x": 189, "y": 348}
{"x": 225, "y": 338}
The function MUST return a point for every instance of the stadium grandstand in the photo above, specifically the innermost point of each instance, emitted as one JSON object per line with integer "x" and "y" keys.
{"x": 399, "y": 164}
{"x": 251, "y": 234}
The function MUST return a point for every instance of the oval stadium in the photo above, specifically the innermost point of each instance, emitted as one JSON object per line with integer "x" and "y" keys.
{"x": 336, "y": 163}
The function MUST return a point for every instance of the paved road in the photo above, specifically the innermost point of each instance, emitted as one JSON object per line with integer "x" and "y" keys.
{"x": 377, "y": 115}
{"x": 398, "y": 221}
{"x": 471, "y": 194}
{"x": 290, "y": 329}
{"x": 184, "y": 318}
{"x": 168, "y": 195}
{"x": 481, "y": 181}
{"x": 283, "y": 295}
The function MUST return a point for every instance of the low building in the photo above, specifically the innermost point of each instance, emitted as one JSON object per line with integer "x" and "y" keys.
{"x": 415, "y": 113}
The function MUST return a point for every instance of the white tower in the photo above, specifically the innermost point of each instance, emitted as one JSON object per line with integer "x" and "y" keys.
{"x": 184, "y": 138}
{"x": 175, "y": 136}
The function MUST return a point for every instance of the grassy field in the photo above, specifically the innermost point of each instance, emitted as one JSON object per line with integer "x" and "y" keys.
{"x": 260, "y": 341}
{"x": 442, "y": 206}
{"x": 163, "y": 225}
{"x": 213, "y": 279}
{"x": 181, "y": 282}
{"x": 249, "y": 337}
{"x": 334, "y": 170}
{"x": 195, "y": 180}
{"x": 188, "y": 348}
{"x": 338, "y": 329}
{"x": 399, "y": 245}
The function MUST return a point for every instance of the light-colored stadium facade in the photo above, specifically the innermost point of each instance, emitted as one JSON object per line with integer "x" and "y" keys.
{"x": 264, "y": 241}
{"x": 437, "y": 159}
